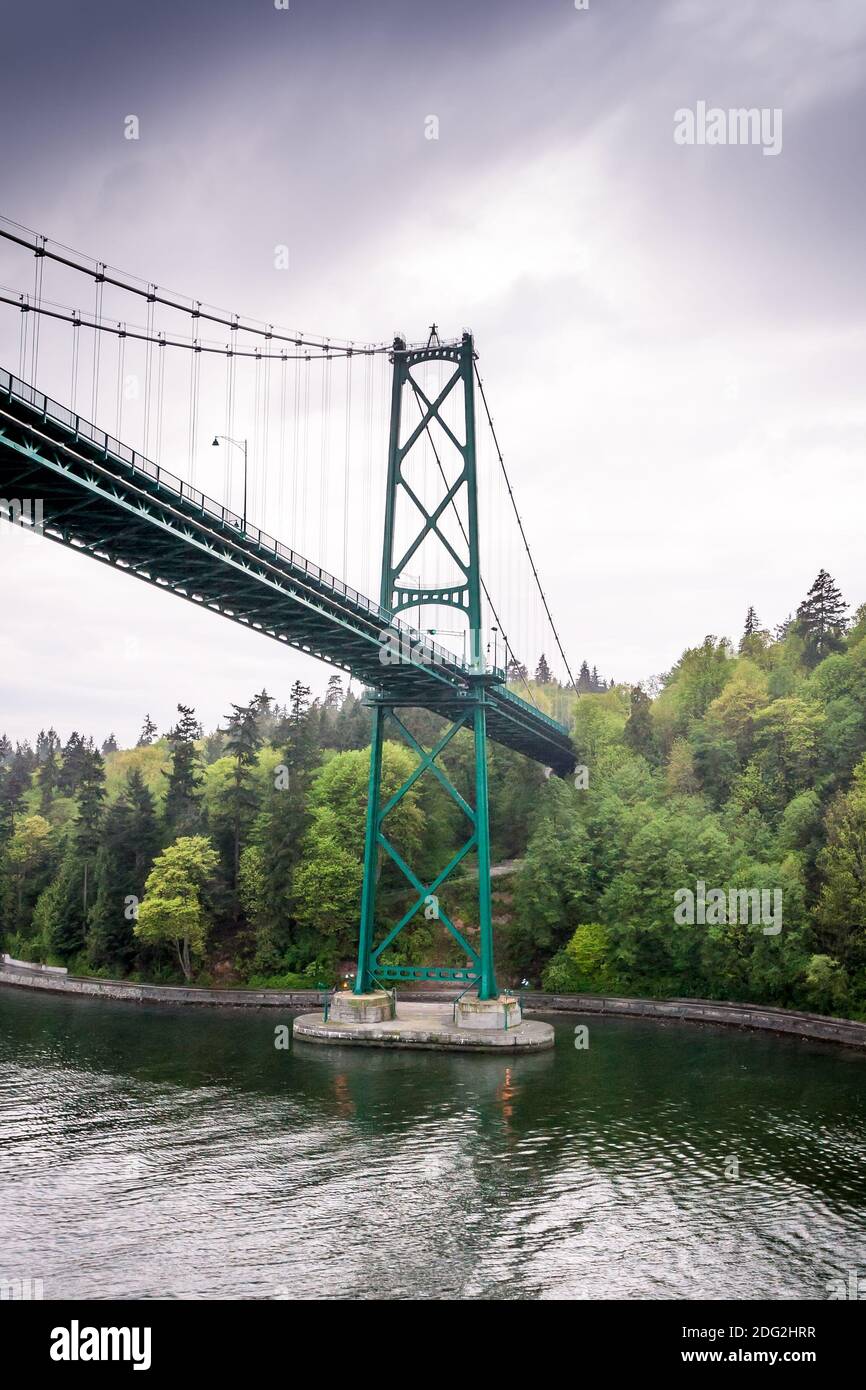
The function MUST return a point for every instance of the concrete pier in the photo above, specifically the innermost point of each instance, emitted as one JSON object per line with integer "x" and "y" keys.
{"x": 375, "y": 1007}
{"x": 423, "y": 1025}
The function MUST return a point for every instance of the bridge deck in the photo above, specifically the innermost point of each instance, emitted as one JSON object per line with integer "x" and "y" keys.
{"x": 100, "y": 497}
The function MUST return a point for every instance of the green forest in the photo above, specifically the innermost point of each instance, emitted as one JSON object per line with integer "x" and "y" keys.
{"x": 234, "y": 857}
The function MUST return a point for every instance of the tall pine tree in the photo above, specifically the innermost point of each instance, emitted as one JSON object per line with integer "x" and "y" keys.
{"x": 243, "y": 742}
{"x": 148, "y": 733}
{"x": 183, "y": 797}
{"x": 821, "y": 619}
{"x": 128, "y": 845}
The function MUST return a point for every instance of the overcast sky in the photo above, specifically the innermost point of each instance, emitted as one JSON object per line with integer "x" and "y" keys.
{"x": 672, "y": 336}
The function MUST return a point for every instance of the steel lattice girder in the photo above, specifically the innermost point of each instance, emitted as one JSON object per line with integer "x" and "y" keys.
{"x": 426, "y": 762}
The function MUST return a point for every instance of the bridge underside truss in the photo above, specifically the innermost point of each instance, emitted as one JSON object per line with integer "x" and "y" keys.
{"x": 95, "y": 495}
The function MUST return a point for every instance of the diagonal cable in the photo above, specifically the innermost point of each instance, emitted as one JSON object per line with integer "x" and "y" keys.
{"x": 522, "y": 532}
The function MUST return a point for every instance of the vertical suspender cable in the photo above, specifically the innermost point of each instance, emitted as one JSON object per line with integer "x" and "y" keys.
{"x": 296, "y": 425}
{"x": 148, "y": 365}
{"x": 121, "y": 349}
{"x": 257, "y": 433}
{"x": 227, "y": 501}
{"x": 306, "y": 441}
{"x": 22, "y": 336}
{"x": 230, "y": 429}
{"x": 76, "y": 329}
{"x": 323, "y": 466}
{"x": 281, "y": 526}
{"x": 265, "y": 434}
{"x": 368, "y": 463}
{"x": 100, "y": 285}
{"x": 160, "y": 396}
{"x": 345, "y": 574}
{"x": 37, "y": 300}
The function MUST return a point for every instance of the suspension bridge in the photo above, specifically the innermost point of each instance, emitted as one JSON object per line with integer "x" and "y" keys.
{"x": 87, "y": 488}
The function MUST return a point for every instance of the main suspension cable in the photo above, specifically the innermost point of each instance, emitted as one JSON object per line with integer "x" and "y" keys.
{"x": 522, "y": 532}
{"x": 79, "y": 320}
{"x": 453, "y": 504}
{"x": 39, "y": 245}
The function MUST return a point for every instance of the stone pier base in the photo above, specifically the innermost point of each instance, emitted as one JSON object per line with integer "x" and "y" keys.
{"x": 433, "y": 1026}
{"x": 375, "y": 1007}
{"x": 502, "y": 1013}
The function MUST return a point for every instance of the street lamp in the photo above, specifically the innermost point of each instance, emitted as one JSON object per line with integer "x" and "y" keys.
{"x": 239, "y": 444}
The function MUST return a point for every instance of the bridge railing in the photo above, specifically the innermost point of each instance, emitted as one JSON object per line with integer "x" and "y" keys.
{"x": 538, "y": 713}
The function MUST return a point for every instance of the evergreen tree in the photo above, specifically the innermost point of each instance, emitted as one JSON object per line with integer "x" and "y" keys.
{"x": 543, "y": 673}
{"x": 267, "y": 717}
{"x": 148, "y": 733}
{"x": 183, "y": 797}
{"x": 76, "y": 760}
{"x": 639, "y": 733}
{"x": 515, "y": 671}
{"x": 821, "y": 619}
{"x": 755, "y": 638}
{"x": 46, "y": 744}
{"x": 128, "y": 844}
{"x": 841, "y": 910}
{"x": 48, "y": 772}
{"x": 334, "y": 692}
{"x": 584, "y": 680}
{"x": 8, "y": 802}
{"x": 243, "y": 741}
{"x": 15, "y": 779}
{"x": 296, "y": 722}
{"x": 279, "y": 837}
{"x": 48, "y": 781}
{"x": 72, "y": 749}
{"x": 66, "y": 931}
{"x": 213, "y": 746}
{"x": 352, "y": 725}
{"x": 110, "y": 745}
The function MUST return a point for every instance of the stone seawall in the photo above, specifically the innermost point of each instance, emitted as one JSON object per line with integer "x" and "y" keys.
{"x": 752, "y": 1016}
{"x": 132, "y": 993}
{"x": 757, "y": 1016}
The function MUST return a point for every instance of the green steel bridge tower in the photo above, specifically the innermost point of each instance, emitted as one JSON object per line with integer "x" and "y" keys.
{"x": 396, "y": 596}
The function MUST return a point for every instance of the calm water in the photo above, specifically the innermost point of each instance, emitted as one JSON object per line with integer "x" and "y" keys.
{"x": 175, "y": 1153}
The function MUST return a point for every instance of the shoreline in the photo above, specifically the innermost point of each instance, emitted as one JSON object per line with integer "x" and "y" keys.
{"x": 755, "y": 1017}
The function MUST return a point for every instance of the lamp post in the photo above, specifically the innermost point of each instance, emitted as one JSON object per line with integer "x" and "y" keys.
{"x": 239, "y": 444}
